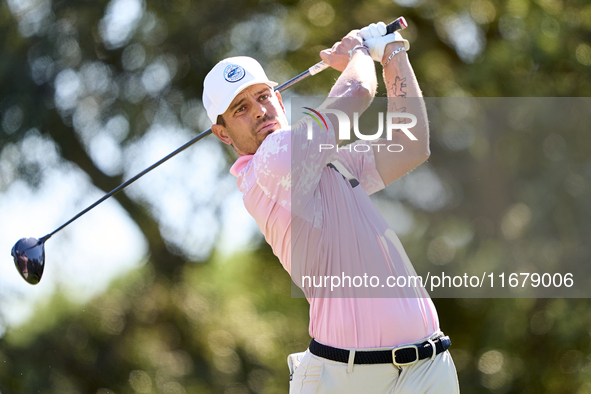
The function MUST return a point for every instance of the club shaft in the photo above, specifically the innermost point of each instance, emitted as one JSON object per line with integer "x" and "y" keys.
{"x": 398, "y": 24}
{"x": 317, "y": 68}
{"x": 129, "y": 182}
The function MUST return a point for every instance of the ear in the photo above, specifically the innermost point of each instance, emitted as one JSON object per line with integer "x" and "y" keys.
{"x": 278, "y": 95}
{"x": 221, "y": 132}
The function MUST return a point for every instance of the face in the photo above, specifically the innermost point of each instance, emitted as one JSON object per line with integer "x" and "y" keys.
{"x": 254, "y": 113}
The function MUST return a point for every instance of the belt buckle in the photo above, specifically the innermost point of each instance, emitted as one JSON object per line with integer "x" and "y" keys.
{"x": 399, "y": 365}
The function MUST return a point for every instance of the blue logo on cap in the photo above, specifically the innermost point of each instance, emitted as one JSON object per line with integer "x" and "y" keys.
{"x": 234, "y": 73}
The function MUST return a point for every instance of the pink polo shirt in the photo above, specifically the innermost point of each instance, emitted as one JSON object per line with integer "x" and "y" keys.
{"x": 321, "y": 225}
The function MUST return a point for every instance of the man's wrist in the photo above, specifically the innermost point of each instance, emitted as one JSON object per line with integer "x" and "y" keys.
{"x": 391, "y": 47}
{"x": 361, "y": 47}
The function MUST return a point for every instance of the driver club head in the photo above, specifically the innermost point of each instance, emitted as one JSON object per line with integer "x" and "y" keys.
{"x": 29, "y": 259}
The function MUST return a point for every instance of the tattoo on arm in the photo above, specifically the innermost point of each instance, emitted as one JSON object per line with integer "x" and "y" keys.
{"x": 396, "y": 109}
{"x": 398, "y": 87}
{"x": 401, "y": 109}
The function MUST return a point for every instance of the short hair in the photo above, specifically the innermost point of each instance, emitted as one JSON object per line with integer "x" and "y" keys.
{"x": 220, "y": 121}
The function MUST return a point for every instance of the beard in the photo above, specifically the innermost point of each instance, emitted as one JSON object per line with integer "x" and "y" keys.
{"x": 257, "y": 126}
{"x": 250, "y": 145}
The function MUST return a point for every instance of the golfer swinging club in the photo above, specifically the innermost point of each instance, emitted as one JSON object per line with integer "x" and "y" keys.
{"x": 313, "y": 208}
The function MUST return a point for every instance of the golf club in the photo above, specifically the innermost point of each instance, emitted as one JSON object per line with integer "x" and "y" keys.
{"x": 29, "y": 253}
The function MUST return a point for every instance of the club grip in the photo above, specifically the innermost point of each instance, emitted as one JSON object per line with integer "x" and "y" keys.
{"x": 398, "y": 24}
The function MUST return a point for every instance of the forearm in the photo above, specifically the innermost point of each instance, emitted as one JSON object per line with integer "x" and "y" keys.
{"x": 404, "y": 95}
{"x": 358, "y": 79}
{"x": 355, "y": 88}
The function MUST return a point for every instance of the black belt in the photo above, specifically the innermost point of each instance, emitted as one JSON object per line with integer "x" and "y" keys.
{"x": 403, "y": 355}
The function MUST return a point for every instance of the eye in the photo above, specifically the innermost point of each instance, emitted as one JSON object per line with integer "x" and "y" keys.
{"x": 264, "y": 97}
{"x": 240, "y": 109}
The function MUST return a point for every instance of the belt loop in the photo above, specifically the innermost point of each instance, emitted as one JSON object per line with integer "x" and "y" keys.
{"x": 351, "y": 361}
{"x": 434, "y": 349}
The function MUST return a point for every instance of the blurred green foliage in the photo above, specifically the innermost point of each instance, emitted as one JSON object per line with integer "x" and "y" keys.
{"x": 224, "y": 327}
{"x": 67, "y": 68}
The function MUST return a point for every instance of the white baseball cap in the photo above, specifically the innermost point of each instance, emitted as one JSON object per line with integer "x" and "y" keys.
{"x": 227, "y": 79}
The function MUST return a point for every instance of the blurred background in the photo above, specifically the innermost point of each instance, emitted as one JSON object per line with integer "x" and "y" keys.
{"x": 170, "y": 288}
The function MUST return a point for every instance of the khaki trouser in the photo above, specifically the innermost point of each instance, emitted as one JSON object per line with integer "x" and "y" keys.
{"x": 319, "y": 375}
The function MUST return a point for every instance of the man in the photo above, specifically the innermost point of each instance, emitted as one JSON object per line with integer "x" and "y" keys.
{"x": 314, "y": 209}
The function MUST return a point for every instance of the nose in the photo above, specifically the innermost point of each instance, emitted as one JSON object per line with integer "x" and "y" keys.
{"x": 259, "y": 110}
